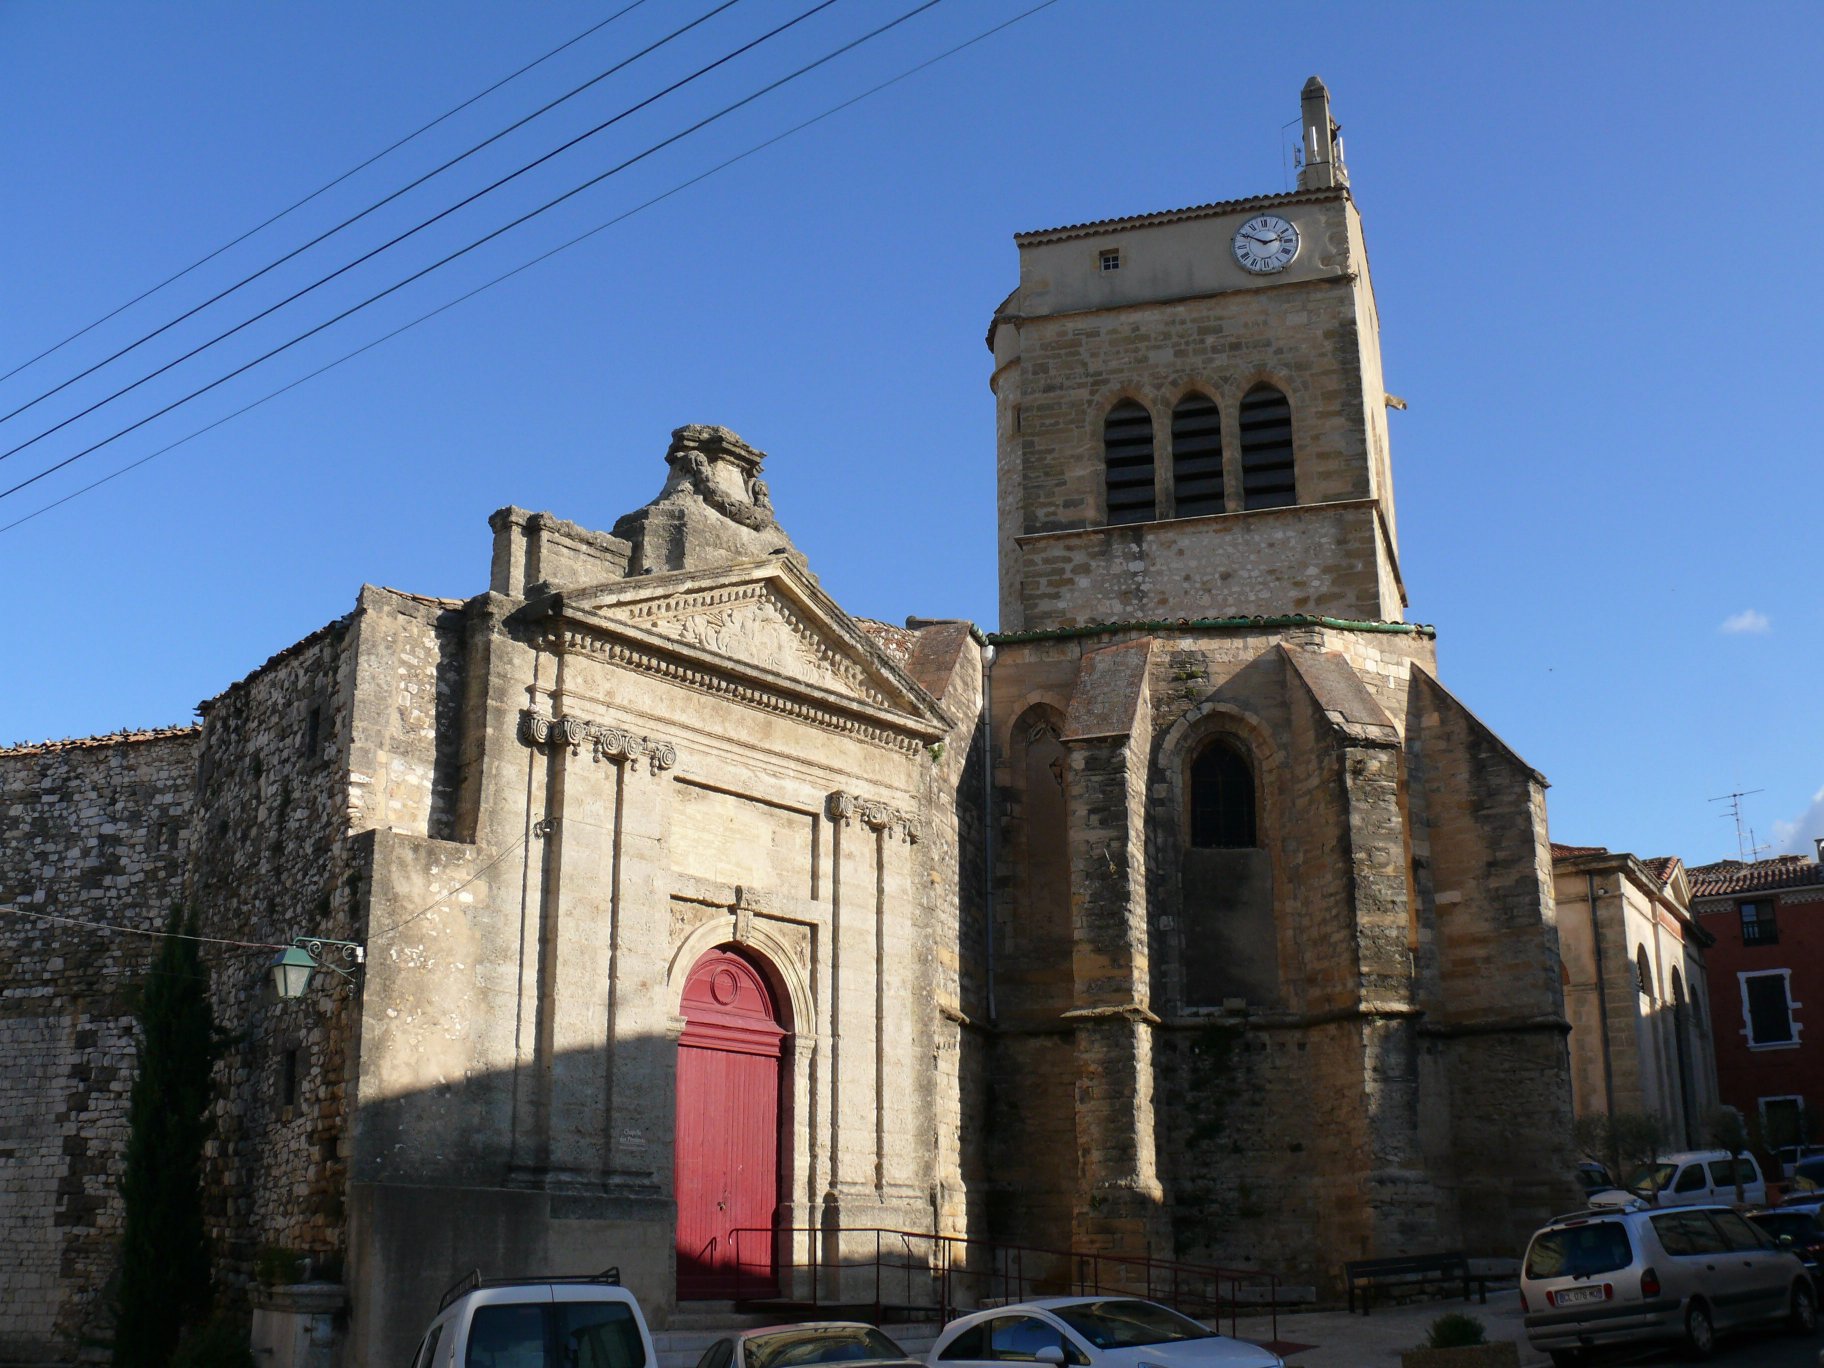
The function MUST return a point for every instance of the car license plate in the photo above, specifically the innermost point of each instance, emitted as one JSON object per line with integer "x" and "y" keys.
{"x": 1572, "y": 1295}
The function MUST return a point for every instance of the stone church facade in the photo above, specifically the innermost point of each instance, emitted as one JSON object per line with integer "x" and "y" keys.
{"x": 1189, "y": 916}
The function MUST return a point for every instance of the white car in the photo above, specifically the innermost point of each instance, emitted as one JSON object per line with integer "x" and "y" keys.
{"x": 1690, "y": 1178}
{"x": 1091, "y": 1332}
{"x": 564, "y": 1322}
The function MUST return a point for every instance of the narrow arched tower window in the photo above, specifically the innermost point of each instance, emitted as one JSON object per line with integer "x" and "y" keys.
{"x": 1196, "y": 456}
{"x": 1266, "y": 449}
{"x": 1222, "y": 797}
{"x": 1127, "y": 446}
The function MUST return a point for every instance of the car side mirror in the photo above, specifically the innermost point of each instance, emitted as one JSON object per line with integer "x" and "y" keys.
{"x": 1052, "y": 1354}
{"x": 1786, "y": 1242}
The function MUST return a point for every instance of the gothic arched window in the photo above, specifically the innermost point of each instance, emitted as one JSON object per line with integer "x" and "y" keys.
{"x": 1266, "y": 449}
{"x": 1196, "y": 456}
{"x": 1127, "y": 447}
{"x": 1222, "y": 797}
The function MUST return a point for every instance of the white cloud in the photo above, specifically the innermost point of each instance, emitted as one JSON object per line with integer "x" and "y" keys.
{"x": 1748, "y": 620}
{"x": 1795, "y": 837}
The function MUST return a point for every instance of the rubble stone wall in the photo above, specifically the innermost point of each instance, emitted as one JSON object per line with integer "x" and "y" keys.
{"x": 93, "y": 831}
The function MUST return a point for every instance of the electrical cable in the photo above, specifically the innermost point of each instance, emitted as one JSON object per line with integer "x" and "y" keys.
{"x": 321, "y": 189}
{"x": 274, "y": 265}
{"x": 528, "y": 265}
{"x": 543, "y": 208}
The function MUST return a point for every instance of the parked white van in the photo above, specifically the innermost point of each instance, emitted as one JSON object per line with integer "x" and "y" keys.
{"x": 562, "y": 1322}
{"x": 1693, "y": 1178}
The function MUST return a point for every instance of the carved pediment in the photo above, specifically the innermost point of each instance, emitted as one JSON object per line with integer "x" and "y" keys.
{"x": 758, "y": 625}
{"x": 762, "y": 632}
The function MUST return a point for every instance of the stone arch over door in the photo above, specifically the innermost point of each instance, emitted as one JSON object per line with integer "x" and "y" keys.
{"x": 731, "y": 1151}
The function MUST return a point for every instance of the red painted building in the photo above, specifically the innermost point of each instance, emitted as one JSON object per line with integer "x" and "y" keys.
{"x": 1767, "y": 987}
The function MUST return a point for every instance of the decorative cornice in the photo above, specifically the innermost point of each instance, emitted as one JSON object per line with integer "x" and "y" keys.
{"x": 873, "y": 814}
{"x": 1244, "y": 624}
{"x": 606, "y": 742}
{"x": 659, "y": 661}
{"x": 686, "y": 610}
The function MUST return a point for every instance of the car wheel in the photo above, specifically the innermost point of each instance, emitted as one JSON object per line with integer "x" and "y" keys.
{"x": 1804, "y": 1316}
{"x": 1700, "y": 1334}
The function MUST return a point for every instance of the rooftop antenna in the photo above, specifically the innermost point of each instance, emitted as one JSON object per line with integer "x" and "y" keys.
{"x": 1291, "y": 151}
{"x": 1745, "y": 848}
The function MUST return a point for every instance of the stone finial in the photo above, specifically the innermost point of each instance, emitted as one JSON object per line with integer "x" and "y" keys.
{"x": 722, "y": 470}
{"x": 713, "y": 510}
{"x": 1323, "y": 142}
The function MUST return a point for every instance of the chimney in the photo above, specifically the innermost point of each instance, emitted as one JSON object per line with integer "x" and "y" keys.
{"x": 1818, "y": 841}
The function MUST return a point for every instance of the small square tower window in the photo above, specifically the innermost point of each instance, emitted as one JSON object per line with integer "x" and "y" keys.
{"x": 1111, "y": 259}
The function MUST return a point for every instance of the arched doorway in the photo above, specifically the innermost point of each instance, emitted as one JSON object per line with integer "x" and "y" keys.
{"x": 728, "y": 1143}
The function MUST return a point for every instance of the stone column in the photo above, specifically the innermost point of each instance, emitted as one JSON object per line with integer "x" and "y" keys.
{"x": 642, "y": 1061}
{"x": 588, "y": 1116}
{"x": 1120, "y": 1203}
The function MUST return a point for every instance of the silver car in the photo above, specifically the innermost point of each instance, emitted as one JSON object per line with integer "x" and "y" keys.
{"x": 1610, "y": 1276}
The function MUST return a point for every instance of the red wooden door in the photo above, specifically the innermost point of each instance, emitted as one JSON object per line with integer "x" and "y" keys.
{"x": 727, "y": 1146}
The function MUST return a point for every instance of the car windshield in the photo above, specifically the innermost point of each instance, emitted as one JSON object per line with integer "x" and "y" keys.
{"x": 1579, "y": 1251}
{"x": 565, "y": 1335}
{"x": 1652, "y": 1177}
{"x": 1125, "y": 1324}
{"x": 825, "y": 1344}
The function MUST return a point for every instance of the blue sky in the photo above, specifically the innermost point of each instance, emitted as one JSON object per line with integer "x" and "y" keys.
{"x": 1594, "y": 234}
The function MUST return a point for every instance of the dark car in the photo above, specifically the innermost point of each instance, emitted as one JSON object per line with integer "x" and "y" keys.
{"x": 1800, "y": 1230}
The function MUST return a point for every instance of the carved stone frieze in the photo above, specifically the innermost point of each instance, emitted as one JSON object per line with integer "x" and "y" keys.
{"x": 754, "y": 623}
{"x": 605, "y": 742}
{"x": 631, "y": 655}
{"x": 873, "y": 814}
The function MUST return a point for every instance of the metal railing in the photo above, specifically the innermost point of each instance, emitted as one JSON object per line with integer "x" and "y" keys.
{"x": 942, "y": 1276}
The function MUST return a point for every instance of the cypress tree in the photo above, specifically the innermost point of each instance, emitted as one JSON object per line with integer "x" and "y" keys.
{"x": 164, "y": 1278}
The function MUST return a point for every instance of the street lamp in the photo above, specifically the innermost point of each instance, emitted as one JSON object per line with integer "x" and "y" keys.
{"x": 292, "y": 970}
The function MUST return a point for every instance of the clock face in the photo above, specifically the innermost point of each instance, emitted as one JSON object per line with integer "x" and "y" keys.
{"x": 1265, "y": 244}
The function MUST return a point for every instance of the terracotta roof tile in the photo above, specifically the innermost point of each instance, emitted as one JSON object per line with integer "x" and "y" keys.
{"x": 897, "y": 642}
{"x": 1734, "y": 876}
{"x": 1661, "y": 867}
{"x": 1566, "y": 852}
{"x": 120, "y": 738}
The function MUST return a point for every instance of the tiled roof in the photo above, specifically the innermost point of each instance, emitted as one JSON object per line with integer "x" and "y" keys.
{"x": 119, "y": 738}
{"x": 1736, "y": 876}
{"x": 897, "y": 642}
{"x": 1566, "y": 852}
{"x": 1661, "y": 866}
{"x": 1172, "y": 215}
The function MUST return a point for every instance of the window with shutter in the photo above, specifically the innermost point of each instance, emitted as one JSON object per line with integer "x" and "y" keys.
{"x": 1127, "y": 447}
{"x": 1267, "y": 479}
{"x": 1196, "y": 457}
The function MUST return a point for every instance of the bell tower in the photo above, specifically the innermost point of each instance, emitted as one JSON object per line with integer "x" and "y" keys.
{"x": 1191, "y": 419}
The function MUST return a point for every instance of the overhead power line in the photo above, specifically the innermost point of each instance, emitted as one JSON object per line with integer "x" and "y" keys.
{"x": 489, "y": 237}
{"x": 527, "y": 265}
{"x": 321, "y": 189}
{"x": 274, "y": 265}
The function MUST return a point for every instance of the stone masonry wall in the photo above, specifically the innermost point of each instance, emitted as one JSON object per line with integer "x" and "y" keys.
{"x": 1492, "y": 970}
{"x": 1329, "y": 560}
{"x": 93, "y": 831}
{"x": 339, "y": 733}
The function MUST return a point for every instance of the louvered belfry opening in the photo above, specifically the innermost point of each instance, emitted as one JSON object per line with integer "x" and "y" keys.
{"x": 1266, "y": 449}
{"x": 1196, "y": 456}
{"x": 1127, "y": 446}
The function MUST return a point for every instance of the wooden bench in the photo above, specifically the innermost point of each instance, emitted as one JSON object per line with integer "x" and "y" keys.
{"x": 1412, "y": 1270}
